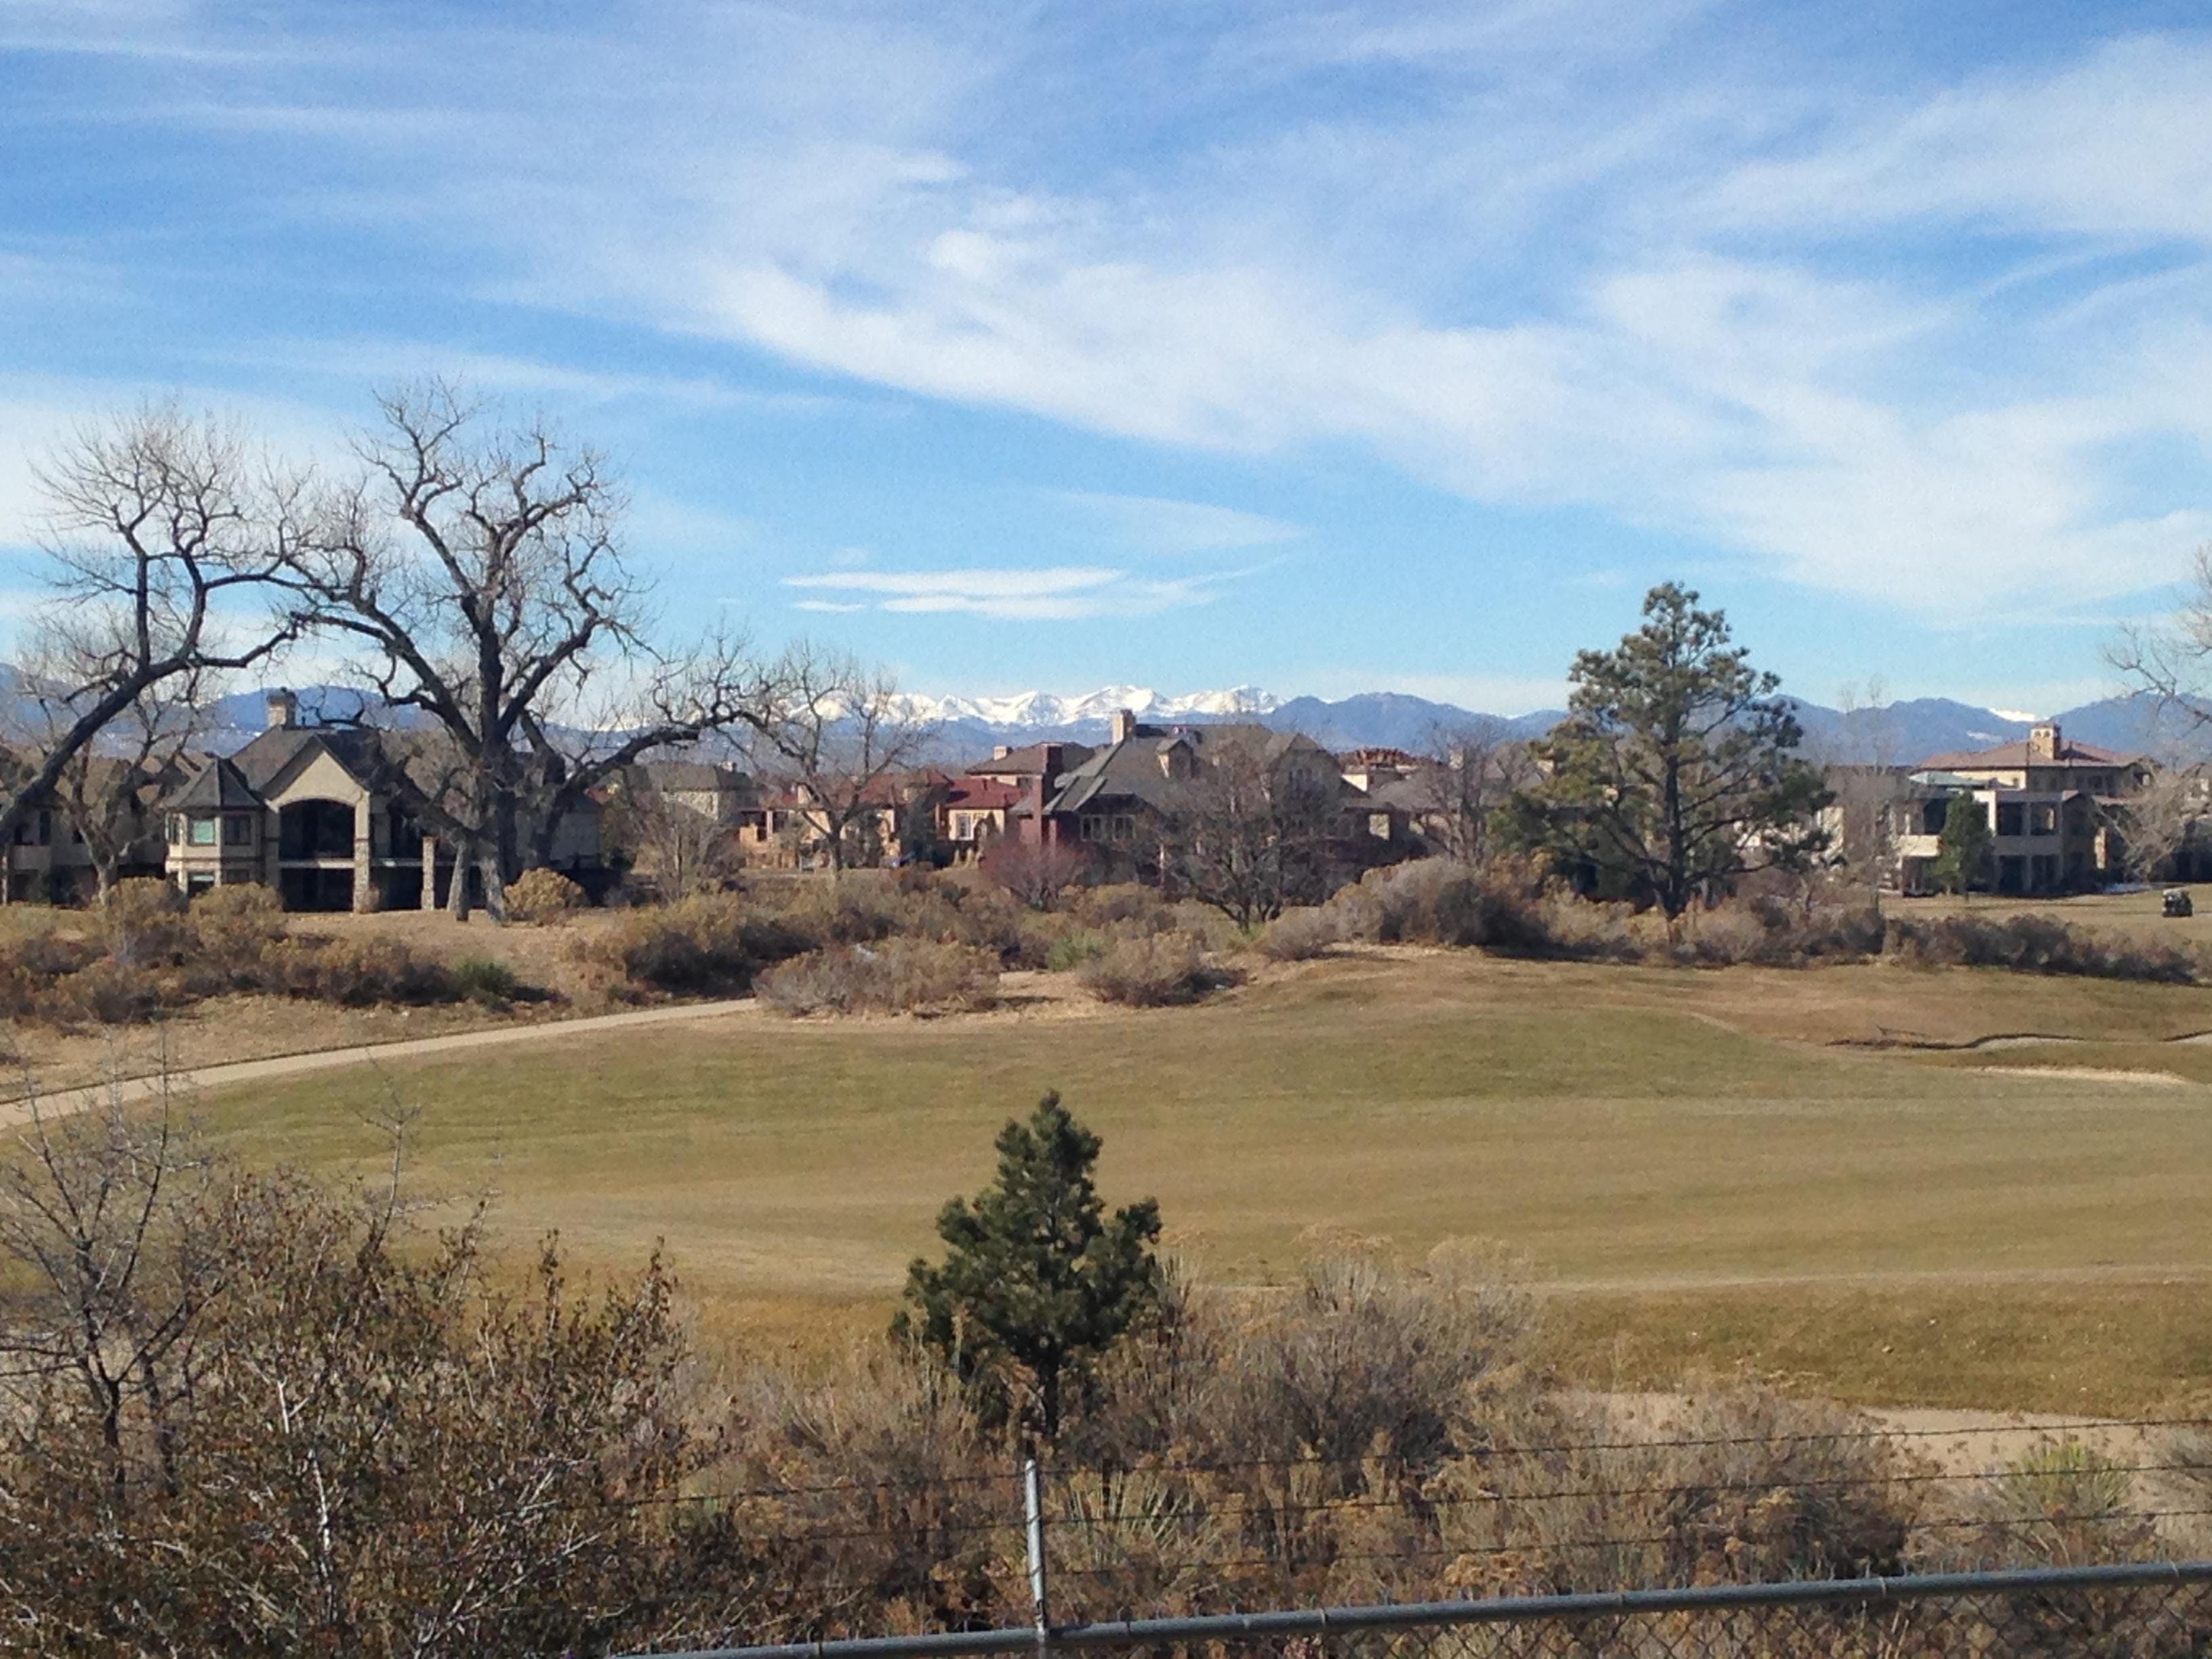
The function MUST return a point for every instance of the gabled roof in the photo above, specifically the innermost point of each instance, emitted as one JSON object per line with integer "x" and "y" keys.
{"x": 1133, "y": 769}
{"x": 1030, "y": 760}
{"x": 984, "y": 794}
{"x": 2012, "y": 756}
{"x": 217, "y": 787}
{"x": 269, "y": 755}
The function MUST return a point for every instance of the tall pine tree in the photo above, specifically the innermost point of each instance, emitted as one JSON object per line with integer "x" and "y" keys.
{"x": 1676, "y": 769}
{"x": 1037, "y": 1283}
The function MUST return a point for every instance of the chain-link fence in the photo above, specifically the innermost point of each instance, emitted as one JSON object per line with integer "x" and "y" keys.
{"x": 2154, "y": 1610}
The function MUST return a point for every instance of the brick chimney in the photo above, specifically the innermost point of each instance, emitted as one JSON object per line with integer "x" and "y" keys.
{"x": 282, "y": 708}
{"x": 1125, "y": 725}
{"x": 2044, "y": 740}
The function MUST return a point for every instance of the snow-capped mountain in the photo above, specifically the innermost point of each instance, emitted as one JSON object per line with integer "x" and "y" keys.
{"x": 1042, "y": 709}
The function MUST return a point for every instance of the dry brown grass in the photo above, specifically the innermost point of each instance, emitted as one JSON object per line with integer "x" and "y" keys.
{"x": 1662, "y": 1133}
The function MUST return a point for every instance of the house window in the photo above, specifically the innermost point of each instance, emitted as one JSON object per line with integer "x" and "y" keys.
{"x": 2043, "y": 819}
{"x": 2009, "y": 819}
{"x": 237, "y": 830}
{"x": 202, "y": 832}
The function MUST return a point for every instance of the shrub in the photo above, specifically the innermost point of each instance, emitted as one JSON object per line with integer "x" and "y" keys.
{"x": 142, "y": 923}
{"x": 112, "y": 991}
{"x": 233, "y": 927}
{"x": 358, "y": 973}
{"x": 486, "y": 980}
{"x": 1370, "y": 1357}
{"x": 710, "y": 943}
{"x": 1148, "y": 970}
{"x": 897, "y": 976}
{"x": 541, "y": 896}
{"x": 1125, "y": 905}
{"x": 1298, "y": 935}
{"x": 1446, "y": 901}
{"x": 2059, "y": 1502}
{"x": 45, "y": 955}
{"x": 854, "y": 907}
{"x": 1037, "y": 875}
{"x": 1743, "y": 1484}
{"x": 1071, "y": 950}
{"x": 2039, "y": 945}
{"x": 1774, "y": 933}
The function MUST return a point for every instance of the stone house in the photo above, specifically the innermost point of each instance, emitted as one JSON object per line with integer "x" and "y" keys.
{"x": 309, "y": 812}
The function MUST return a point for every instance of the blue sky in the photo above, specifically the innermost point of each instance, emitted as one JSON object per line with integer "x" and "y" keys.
{"x": 1321, "y": 346}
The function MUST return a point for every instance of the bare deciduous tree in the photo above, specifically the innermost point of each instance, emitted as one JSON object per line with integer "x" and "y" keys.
{"x": 840, "y": 732}
{"x": 684, "y": 850}
{"x": 1862, "y": 767}
{"x": 1036, "y": 873}
{"x": 163, "y": 536}
{"x": 2160, "y": 819}
{"x": 477, "y": 572}
{"x": 2173, "y": 661}
{"x": 1472, "y": 770}
{"x": 107, "y": 795}
{"x": 1252, "y": 831}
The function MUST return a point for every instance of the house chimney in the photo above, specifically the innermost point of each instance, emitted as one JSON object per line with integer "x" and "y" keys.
{"x": 1125, "y": 725}
{"x": 2043, "y": 740}
{"x": 283, "y": 708}
{"x": 1000, "y": 751}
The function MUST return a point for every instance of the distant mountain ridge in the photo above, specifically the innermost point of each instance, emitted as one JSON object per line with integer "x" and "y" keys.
{"x": 1905, "y": 732}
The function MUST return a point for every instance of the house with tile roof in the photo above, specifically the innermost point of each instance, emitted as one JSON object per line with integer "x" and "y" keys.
{"x": 2056, "y": 810}
{"x": 972, "y": 812}
{"x": 322, "y": 816}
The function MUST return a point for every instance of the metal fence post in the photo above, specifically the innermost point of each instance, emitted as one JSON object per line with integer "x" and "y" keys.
{"x": 1033, "y": 1506}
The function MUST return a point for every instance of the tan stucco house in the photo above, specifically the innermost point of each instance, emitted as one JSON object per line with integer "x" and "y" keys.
{"x": 2053, "y": 807}
{"x": 306, "y": 812}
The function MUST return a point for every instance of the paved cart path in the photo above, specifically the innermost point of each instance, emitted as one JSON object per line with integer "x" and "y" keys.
{"x": 64, "y": 1101}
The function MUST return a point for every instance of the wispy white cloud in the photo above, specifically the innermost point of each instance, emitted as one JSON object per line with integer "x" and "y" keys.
{"x": 1153, "y": 524}
{"x": 1787, "y": 315}
{"x": 1055, "y": 593}
{"x": 2110, "y": 145}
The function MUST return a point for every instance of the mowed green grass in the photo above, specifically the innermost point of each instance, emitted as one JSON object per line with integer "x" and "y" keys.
{"x": 1694, "y": 1193}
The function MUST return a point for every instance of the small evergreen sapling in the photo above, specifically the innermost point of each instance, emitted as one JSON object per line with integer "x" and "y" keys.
{"x": 1037, "y": 1283}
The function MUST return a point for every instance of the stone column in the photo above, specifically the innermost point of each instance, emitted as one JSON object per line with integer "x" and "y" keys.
{"x": 364, "y": 852}
{"x": 430, "y": 872}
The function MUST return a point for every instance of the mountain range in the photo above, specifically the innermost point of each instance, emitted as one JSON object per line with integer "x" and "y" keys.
{"x": 966, "y": 727}
{"x": 1898, "y": 733}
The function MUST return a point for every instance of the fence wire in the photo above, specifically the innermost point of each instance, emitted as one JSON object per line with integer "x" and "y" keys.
{"x": 2158, "y": 1610}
